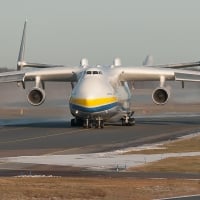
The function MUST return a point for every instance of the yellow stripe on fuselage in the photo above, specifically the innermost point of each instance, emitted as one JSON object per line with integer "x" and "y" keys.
{"x": 93, "y": 102}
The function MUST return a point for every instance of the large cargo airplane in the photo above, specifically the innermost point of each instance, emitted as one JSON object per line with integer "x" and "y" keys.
{"x": 99, "y": 93}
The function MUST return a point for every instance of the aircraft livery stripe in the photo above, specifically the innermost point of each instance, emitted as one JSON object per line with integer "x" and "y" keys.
{"x": 93, "y": 109}
{"x": 93, "y": 102}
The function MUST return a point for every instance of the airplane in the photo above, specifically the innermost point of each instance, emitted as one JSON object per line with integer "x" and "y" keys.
{"x": 99, "y": 93}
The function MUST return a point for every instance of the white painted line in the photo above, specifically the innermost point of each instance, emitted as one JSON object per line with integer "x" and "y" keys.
{"x": 178, "y": 197}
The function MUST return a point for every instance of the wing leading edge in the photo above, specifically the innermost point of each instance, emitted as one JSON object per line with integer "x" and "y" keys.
{"x": 187, "y": 77}
{"x": 180, "y": 65}
{"x": 15, "y": 76}
{"x": 143, "y": 73}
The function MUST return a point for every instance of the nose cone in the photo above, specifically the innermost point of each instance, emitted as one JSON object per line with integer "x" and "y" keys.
{"x": 92, "y": 85}
{"x": 93, "y": 94}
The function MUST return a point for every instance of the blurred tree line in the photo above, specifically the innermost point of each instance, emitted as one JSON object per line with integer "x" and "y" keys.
{"x": 5, "y": 69}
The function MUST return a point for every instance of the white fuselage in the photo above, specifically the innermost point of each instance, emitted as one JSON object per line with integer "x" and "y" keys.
{"x": 96, "y": 96}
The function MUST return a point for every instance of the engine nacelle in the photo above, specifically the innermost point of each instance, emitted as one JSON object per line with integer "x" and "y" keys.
{"x": 160, "y": 96}
{"x": 36, "y": 96}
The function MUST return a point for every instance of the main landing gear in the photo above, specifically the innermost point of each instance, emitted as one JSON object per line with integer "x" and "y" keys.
{"x": 98, "y": 122}
{"x": 128, "y": 119}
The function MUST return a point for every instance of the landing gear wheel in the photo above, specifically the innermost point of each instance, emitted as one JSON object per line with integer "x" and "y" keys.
{"x": 123, "y": 122}
{"x": 131, "y": 121}
{"x": 102, "y": 124}
{"x": 99, "y": 124}
{"x": 90, "y": 125}
{"x": 76, "y": 122}
{"x": 86, "y": 123}
{"x": 73, "y": 122}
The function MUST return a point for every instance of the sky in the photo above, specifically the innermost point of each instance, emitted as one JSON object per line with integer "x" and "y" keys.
{"x": 64, "y": 31}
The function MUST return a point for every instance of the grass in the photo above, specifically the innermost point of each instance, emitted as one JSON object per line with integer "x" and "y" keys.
{"x": 180, "y": 165}
{"x": 94, "y": 188}
{"x": 190, "y": 164}
{"x": 58, "y": 188}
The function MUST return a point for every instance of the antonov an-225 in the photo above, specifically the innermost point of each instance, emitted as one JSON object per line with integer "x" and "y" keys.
{"x": 99, "y": 93}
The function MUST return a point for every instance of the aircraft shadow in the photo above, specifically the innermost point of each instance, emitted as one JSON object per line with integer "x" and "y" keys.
{"x": 51, "y": 124}
{"x": 66, "y": 124}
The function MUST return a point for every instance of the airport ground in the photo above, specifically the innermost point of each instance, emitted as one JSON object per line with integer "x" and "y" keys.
{"x": 25, "y": 131}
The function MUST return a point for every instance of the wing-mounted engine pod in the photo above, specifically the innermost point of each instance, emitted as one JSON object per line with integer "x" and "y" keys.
{"x": 36, "y": 96}
{"x": 160, "y": 95}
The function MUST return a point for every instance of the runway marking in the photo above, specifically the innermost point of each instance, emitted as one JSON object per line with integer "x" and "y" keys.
{"x": 179, "y": 197}
{"x": 54, "y": 152}
{"x": 12, "y": 129}
{"x": 43, "y": 136}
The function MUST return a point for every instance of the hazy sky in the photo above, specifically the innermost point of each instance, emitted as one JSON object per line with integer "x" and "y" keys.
{"x": 64, "y": 31}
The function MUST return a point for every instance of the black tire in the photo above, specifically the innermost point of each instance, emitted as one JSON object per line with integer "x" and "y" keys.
{"x": 73, "y": 122}
{"x": 131, "y": 122}
{"x": 102, "y": 124}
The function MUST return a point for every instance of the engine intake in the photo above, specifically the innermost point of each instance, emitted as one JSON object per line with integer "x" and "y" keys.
{"x": 160, "y": 96}
{"x": 36, "y": 96}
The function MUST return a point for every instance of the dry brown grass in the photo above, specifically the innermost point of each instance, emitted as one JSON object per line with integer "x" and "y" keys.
{"x": 180, "y": 165}
{"x": 185, "y": 145}
{"x": 94, "y": 188}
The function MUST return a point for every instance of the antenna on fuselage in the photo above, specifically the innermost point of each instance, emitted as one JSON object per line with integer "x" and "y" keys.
{"x": 116, "y": 62}
{"x": 84, "y": 62}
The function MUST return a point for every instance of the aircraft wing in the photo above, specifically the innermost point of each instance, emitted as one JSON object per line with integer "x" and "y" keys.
{"x": 143, "y": 73}
{"x": 13, "y": 76}
{"x": 149, "y": 62}
{"x": 187, "y": 77}
{"x": 65, "y": 74}
{"x": 179, "y": 65}
{"x": 37, "y": 65}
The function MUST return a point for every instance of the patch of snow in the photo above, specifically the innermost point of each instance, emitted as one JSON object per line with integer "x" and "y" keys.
{"x": 103, "y": 160}
{"x": 97, "y": 161}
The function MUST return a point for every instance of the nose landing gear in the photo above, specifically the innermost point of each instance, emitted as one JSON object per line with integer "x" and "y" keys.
{"x": 87, "y": 123}
{"x": 97, "y": 123}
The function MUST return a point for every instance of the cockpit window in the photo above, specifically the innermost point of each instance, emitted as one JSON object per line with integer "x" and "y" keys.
{"x": 93, "y": 72}
{"x": 89, "y": 72}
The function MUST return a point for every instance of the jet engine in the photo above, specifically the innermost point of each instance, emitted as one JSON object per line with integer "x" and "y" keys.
{"x": 36, "y": 96}
{"x": 160, "y": 95}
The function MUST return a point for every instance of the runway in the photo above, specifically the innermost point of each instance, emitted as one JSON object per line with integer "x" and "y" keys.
{"x": 38, "y": 136}
{"x": 31, "y": 131}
